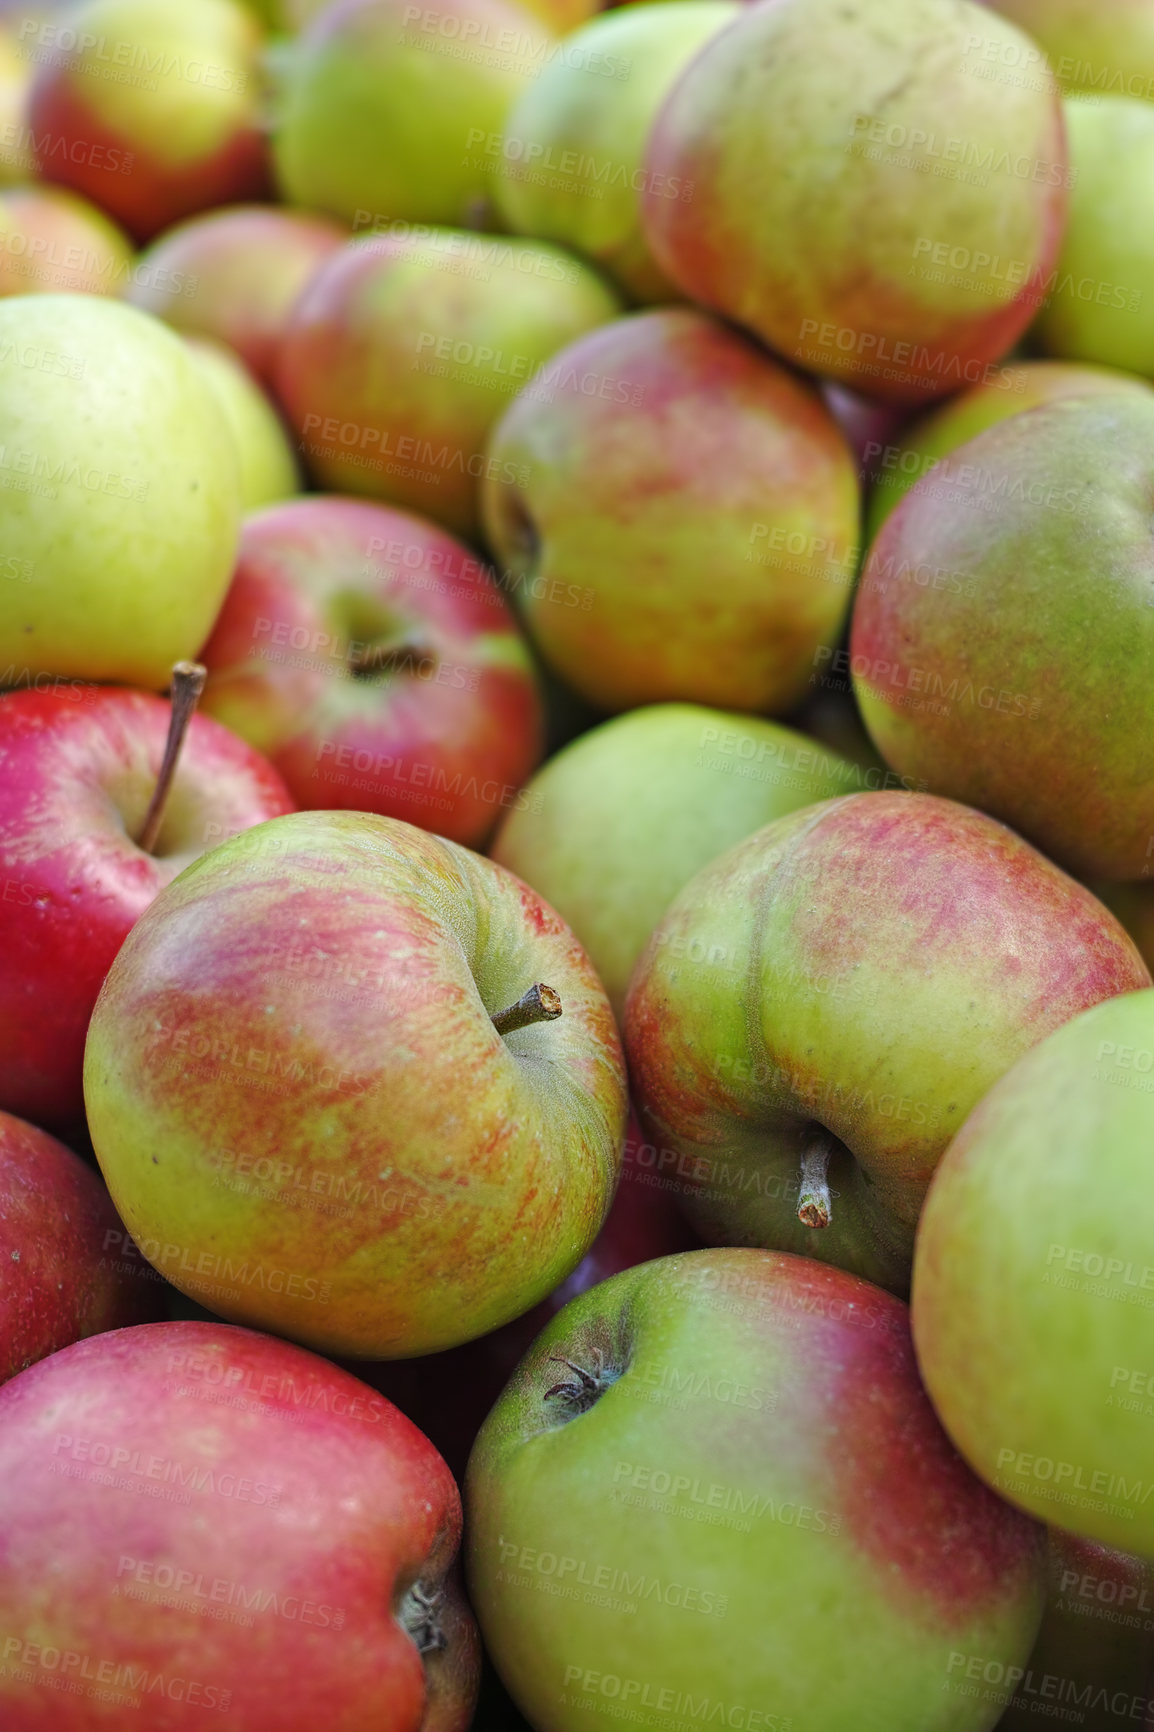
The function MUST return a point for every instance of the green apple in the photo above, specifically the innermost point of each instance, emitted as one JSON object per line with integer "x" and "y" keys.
{"x": 381, "y": 100}
{"x": 613, "y": 826}
{"x": 120, "y": 492}
{"x": 1100, "y": 304}
{"x": 714, "y": 1494}
{"x": 1033, "y": 1285}
{"x": 1092, "y": 45}
{"x": 893, "y": 467}
{"x": 569, "y": 167}
{"x": 820, "y": 1008}
{"x": 267, "y": 469}
{"x": 1003, "y": 630}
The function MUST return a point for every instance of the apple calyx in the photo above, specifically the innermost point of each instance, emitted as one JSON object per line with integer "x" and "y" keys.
{"x": 394, "y": 655}
{"x": 421, "y": 1618}
{"x": 583, "y": 1390}
{"x": 814, "y": 1206}
{"x": 540, "y": 1004}
{"x": 187, "y": 684}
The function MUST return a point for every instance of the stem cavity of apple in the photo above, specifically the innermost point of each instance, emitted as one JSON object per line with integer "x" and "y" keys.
{"x": 813, "y": 1204}
{"x": 540, "y": 1004}
{"x": 581, "y": 1391}
{"x": 187, "y": 684}
{"x": 395, "y": 655}
{"x": 421, "y": 1618}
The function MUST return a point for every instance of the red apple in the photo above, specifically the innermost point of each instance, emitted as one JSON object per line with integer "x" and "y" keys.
{"x": 235, "y": 275}
{"x": 59, "y": 1236}
{"x": 368, "y": 653}
{"x": 78, "y": 765}
{"x": 214, "y": 1529}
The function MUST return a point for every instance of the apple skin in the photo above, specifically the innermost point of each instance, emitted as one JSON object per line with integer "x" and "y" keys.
{"x": 924, "y": 442}
{"x": 17, "y": 161}
{"x": 374, "y": 1170}
{"x": 77, "y": 769}
{"x": 310, "y": 1508}
{"x": 678, "y": 514}
{"x": 235, "y": 275}
{"x": 376, "y": 411}
{"x": 185, "y": 135}
{"x": 1133, "y": 905}
{"x": 444, "y": 742}
{"x": 1099, "y": 309}
{"x": 266, "y": 466}
{"x": 53, "y": 240}
{"x": 121, "y": 497}
{"x": 759, "y": 1012}
{"x": 738, "y": 1380}
{"x": 1104, "y": 46}
{"x": 819, "y": 84}
{"x": 379, "y": 119}
{"x": 969, "y": 651}
{"x": 697, "y": 779}
{"x": 1038, "y": 1217}
{"x": 58, "y": 1226}
{"x": 601, "y": 123}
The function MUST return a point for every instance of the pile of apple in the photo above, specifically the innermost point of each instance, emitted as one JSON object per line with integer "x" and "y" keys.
{"x": 576, "y": 855}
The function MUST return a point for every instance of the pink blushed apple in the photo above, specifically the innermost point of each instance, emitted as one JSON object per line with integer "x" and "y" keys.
{"x": 53, "y": 240}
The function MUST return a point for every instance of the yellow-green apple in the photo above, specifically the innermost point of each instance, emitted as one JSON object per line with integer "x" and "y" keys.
{"x": 1106, "y": 46}
{"x": 693, "y": 781}
{"x": 381, "y": 1080}
{"x": 892, "y": 465}
{"x": 80, "y": 769}
{"x": 828, "y": 999}
{"x": 381, "y": 100}
{"x": 714, "y": 1493}
{"x": 150, "y": 109}
{"x": 58, "y": 1230}
{"x": 404, "y": 349}
{"x": 1095, "y": 1648}
{"x": 373, "y": 659}
{"x": 896, "y": 145}
{"x": 266, "y": 464}
{"x": 207, "y": 1527}
{"x": 569, "y": 166}
{"x": 1034, "y": 1279}
{"x": 1003, "y": 632}
{"x": 52, "y": 240}
{"x": 17, "y": 160}
{"x": 121, "y": 505}
{"x": 678, "y": 515}
{"x": 1099, "y": 305}
{"x": 235, "y": 275}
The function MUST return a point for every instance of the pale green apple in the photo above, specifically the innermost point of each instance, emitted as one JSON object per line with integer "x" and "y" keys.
{"x": 266, "y": 467}
{"x": 1033, "y": 1291}
{"x": 570, "y": 166}
{"x": 613, "y": 826}
{"x": 1104, "y": 46}
{"x": 119, "y": 493}
{"x": 1100, "y": 299}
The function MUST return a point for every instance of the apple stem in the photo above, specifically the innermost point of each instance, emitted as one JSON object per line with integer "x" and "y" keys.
{"x": 187, "y": 684}
{"x": 539, "y": 1004}
{"x": 388, "y": 656}
{"x": 813, "y": 1203}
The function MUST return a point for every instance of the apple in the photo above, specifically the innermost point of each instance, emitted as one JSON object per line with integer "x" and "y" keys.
{"x": 52, "y": 240}
{"x": 121, "y": 502}
{"x": 1133, "y": 905}
{"x": 370, "y": 656}
{"x": 1033, "y": 1282}
{"x": 235, "y": 275}
{"x": 150, "y": 109}
{"x": 210, "y": 1527}
{"x": 1099, "y": 305}
{"x": 58, "y": 1231}
{"x": 17, "y": 161}
{"x": 894, "y": 465}
{"x": 338, "y": 1035}
{"x": 615, "y": 824}
{"x": 972, "y": 651}
{"x": 1108, "y": 46}
{"x": 82, "y": 781}
{"x": 385, "y": 104}
{"x": 678, "y": 514}
{"x": 569, "y": 167}
{"x": 719, "y": 1464}
{"x": 404, "y": 349}
{"x": 923, "y": 203}
{"x": 266, "y": 465}
{"x": 825, "y": 1002}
